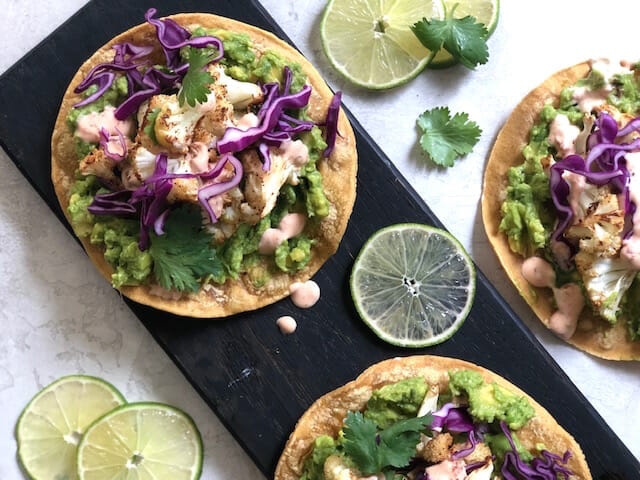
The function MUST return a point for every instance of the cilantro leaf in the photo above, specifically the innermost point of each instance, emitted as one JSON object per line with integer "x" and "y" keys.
{"x": 195, "y": 84}
{"x": 374, "y": 451}
{"x": 463, "y": 38}
{"x": 446, "y": 138}
{"x": 183, "y": 255}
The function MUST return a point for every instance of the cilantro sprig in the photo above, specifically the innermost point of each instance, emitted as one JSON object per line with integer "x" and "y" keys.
{"x": 183, "y": 255}
{"x": 195, "y": 84}
{"x": 464, "y": 38}
{"x": 373, "y": 451}
{"x": 446, "y": 138}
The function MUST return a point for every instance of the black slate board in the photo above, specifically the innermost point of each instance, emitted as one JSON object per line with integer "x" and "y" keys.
{"x": 257, "y": 381}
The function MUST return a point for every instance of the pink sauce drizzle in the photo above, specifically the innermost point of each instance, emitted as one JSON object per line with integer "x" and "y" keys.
{"x": 304, "y": 295}
{"x": 447, "y": 470}
{"x": 631, "y": 246}
{"x": 89, "y": 125}
{"x": 198, "y": 157}
{"x": 291, "y": 225}
{"x": 286, "y": 324}
{"x": 296, "y": 152}
{"x": 563, "y": 135}
{"x": 569, "y": 299}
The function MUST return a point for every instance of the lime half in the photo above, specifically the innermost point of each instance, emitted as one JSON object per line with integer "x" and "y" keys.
{"x": 370, "y": 42}
{"x": 413, "y": 284}
{"x": 51, "y": 425}
{"x": 141, "y": 441}
{"x": 484, "y": 11}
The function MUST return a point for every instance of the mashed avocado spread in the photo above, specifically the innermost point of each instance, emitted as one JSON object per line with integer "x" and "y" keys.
{"x": 396, "y": 401}
{"x": 490, "y": 402}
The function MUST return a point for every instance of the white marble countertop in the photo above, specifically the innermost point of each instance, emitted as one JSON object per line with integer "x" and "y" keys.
{"x": 60, "y": 317}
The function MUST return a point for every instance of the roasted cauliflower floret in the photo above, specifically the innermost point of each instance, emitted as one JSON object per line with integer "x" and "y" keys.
{"x": 606, "y": 280}
{"x": 240, "y": 94}
{"x": 598, "y": 226}
{"x": 98, "y": 164}
{"x": 436, "y": 450}
{"x": 175, "y": 123}
{"x": 335, "y": 469}
{"x": 140, "y": 164}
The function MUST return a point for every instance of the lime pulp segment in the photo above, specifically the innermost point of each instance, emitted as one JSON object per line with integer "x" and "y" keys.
{"x": 413, "y": 284}
{"x": 141, "y": 441}
{"x": 51, "y": 425}
{"x": 370, "y": 41}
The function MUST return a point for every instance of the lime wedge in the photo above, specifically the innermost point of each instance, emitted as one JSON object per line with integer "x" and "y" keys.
{"x": 370, "y": 41}
{"x": 484, "y": 11}
{"x": 51, "y": 425}
{"x": 141, "y": 441}
{"x": 413, "y": 284}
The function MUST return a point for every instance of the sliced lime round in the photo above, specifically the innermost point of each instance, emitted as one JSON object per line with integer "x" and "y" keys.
{"x": 413, "y": 284}
{"x": 370, "y": 42}
{"x": 484, "y": 11}
{"x": 51, "y": 425}
{"x": 142, "y": 441}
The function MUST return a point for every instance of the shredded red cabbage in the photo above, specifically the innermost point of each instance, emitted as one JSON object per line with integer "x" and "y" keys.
{"x": 113, "y": 203}
{"x": 452, "y": 417}
{"x": 263, "y": 148}
{"x": 469, "y": 450}
{"x": 173, "y": 37}
{"x": 213, "y": 190}
{"x": 128, "y": 59}
{"x": 331, "y": 123}
{"x": 104, "y": 143}
{"x": 550, "y": 467}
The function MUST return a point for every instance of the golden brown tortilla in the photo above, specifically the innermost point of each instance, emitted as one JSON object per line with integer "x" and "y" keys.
{"x": 338, "y": 173}
{"x": 593, "y": 335}
{"x": 326, "y": 415}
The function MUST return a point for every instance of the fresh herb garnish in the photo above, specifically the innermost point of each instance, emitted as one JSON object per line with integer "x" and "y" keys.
{"x": 150, "y": 127}
{"x": 463, "y": 38}
{"x": 183, "y": 255}
{"x": 374, "y": 451}
{"x": 195, "y": 84}
{"x": 446, "y": 138}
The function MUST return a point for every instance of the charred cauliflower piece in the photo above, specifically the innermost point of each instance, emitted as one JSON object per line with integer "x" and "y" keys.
{"x": 599, "y": 223}
{"x": 175, "y": 123}
{"x": 262, "y": 188}
{"x": 436, "y": 450}
{"x": 98, "y": 164}
{"x": 140, "y": 164}
{"x": 335, "y": 469}
{"x": 239, "y": 94}
{"x": 606, "y": 280}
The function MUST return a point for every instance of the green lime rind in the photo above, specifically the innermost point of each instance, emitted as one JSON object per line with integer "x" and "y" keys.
{"x": 462, "y": 315}
{"x": 371, "y": 86}
{"x": 142, "y": 406}
{"x": 65, "y": 379}
{"x": 443, "y": 59}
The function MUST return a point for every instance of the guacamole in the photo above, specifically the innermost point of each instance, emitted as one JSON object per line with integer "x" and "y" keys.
{"x": 499, "y": 445}
{"x": 396, "y": 401}
{"x": 490, "y": 402}
{"x": 118, "y": 236}
{"x": 323, "y": 447}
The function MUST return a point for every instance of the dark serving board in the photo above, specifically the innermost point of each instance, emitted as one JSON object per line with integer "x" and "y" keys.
{"x": 256, "y": 380}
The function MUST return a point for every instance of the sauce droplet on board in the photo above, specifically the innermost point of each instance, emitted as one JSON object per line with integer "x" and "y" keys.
{"x": 304, "y": 295}
{"x": 287, "y": 324}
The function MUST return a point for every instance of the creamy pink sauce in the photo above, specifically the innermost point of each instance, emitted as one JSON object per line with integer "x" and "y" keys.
{"x": 247, "y": 121}
{"x": 304, "y": 295}
{"x": 577, "y": 184}
{"x": 296, "y": 152}
{"x": 631, "y": 246}
{"x": 539, "y": 273}
{"x": 115, "y": 146}
{"x": 447, "y": 470}
{"x": 286, "y": 324}
{"x": 563, "y": 135}
{"x": 589, "y": 99}
{"x": 89, "y": 125}
{"x": 198, "y": 157}
{"x": 291, "y": 225}
{"x": 570, "y": 304}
